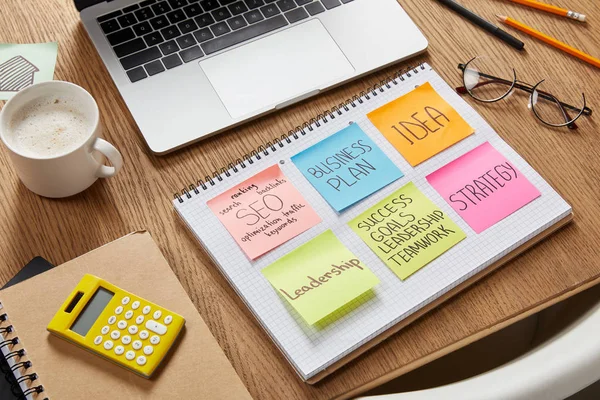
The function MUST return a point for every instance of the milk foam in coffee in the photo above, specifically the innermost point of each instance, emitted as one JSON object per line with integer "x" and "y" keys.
{"x": 49, "y": 126}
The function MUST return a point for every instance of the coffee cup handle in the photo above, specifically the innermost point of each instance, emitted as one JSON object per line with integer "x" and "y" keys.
{"x": 113, "y": 156}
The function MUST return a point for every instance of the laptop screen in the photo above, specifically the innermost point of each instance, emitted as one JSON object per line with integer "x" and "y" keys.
{"x": 81, "y": 4}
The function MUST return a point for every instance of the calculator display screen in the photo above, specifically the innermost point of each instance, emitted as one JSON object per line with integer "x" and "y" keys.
{"x": 91, "y": 311}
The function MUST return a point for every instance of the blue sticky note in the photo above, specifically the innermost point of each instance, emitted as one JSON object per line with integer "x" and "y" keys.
{"x": 346, "y": 167}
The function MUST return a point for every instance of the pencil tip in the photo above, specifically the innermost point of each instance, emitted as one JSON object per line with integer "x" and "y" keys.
{"x": 501, "y": 17}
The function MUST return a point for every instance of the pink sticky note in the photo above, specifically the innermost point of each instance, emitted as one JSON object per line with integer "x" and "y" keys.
{"x": 264, "y": 212}
{"x": 483, "y": 187}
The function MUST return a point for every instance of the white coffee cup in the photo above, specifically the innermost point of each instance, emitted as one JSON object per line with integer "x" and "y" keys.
{"x": 67, "y": 173}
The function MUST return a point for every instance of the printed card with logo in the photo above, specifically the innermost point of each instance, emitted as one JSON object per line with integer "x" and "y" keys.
{"x": 22, "y": 65}
{"x": 346, "y": 167}
{"x": 320, "y": 277}
{"x": 420, "y": 124}
{"x": 407, "y": 230}
{"x": 483, "y": 187}
{"x": 264, "y": 212}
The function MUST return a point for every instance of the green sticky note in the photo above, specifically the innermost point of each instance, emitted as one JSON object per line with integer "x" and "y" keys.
{"x": 22, "y": 65}
{"x": 320, "y": 277}
{"x": 407, "y": 230}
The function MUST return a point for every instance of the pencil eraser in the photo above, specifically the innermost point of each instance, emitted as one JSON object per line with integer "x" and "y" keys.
{"x": 576, "y": 16}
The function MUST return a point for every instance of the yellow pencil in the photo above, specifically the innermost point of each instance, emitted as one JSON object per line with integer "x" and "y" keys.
{"x": 552, "y": 9}
{"x": 550, "y": 40}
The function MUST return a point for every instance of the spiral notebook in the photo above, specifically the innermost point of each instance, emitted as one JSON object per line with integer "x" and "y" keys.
{"x": 317, "y": 350}
{"x": 47, "y": 367}
{"x": 9, "y": 387}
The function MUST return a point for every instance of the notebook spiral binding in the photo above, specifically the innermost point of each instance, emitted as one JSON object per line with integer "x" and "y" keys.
{"x": 16, "y": 354}
{"x": 296, "y": 133}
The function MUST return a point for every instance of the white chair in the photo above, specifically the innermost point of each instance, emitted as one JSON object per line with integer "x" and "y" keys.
{"x": 556, "y": 369}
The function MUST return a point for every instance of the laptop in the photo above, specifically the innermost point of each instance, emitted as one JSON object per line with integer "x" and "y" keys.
{"x": 188, "y": 69}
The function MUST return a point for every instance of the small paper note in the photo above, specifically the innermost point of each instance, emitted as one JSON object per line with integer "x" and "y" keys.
{"x": 483, "y": 187}
{"x": 346, "y": 167}
{"x": 320, "y": 277}
{"x": 263, "y": 212}
{"x": 407, "y": 230}
{"x": 420, "y": 124}
{"x": 22, "y": 65}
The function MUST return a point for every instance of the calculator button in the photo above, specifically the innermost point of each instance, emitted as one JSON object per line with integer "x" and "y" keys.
{"x": 139, "y": 319}
{"x": 141, "y": 360}
{"x": 155, "y": 340}
{"x": 119, "y": 310}
{"x": 122, "y": 324}
{"x": 112, "y": 320}
{"x": 156, "y": 327}
{"x": 98, "y": 340}
{"x": 148, "y": 350}
{"x": 125, "y": 300}
{"x": 157, "y": 314}
{"x": 119, "y": 350}
{"x": 136, "y": 345}
{"x": 168, "y": 319}
{"x": 130, "y": 355}
{"x": 128, "y": 314}
{"x": 135, "y": 305}
{"x": 108, "y": 344}
{"x": 105, "y": 330}
{"x": 133, "y": 329}
{"x": 126, "y": 339}
{"x": 115, "y": 335}
{"x": 146, "y": 310}
{"x": 144, "y": 335}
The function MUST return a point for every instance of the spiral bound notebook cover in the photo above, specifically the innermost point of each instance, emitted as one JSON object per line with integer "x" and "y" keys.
{"x": 315, "y": 351}
{"x": 194, "y": 368}
{"x": 9, "y": 387}
{"x": 13, "y": 357}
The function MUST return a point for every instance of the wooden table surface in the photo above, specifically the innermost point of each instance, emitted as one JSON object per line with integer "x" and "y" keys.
{"x": 140, "y": 197}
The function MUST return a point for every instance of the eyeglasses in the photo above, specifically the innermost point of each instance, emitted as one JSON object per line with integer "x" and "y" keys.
{"x": 487, "y": 88}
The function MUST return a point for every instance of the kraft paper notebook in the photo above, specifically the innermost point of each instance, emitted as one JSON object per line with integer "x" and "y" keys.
{"x": 345, "y": 230}
{"x": 194, "y": 368}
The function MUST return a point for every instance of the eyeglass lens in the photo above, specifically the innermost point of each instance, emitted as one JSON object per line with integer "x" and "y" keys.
{"x": 487, "y": 80}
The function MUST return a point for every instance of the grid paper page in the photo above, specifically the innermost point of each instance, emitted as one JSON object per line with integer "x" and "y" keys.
{"x": 311, "y": 349}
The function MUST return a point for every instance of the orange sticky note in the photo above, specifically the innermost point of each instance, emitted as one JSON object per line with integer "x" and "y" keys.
{"x": 420, "y": 124}
{"x": 264, "y": 212}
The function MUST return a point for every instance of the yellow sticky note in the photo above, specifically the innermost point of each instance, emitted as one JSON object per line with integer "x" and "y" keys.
{"x": 420, "y": 124}
{"x": 407, "y": 230}
{"x": 320, "y": 277}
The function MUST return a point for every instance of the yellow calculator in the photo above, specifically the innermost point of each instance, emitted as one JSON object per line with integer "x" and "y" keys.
{"x": 115, "y": 324}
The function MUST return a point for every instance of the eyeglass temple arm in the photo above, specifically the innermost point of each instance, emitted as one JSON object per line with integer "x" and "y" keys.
{"x": 526, "y": 88}
{"x": 566, "y": 115}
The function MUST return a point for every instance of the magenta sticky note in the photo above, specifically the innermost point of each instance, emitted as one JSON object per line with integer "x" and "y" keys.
{"x": 264, "y": 212}
{"x": 483, "y": 187}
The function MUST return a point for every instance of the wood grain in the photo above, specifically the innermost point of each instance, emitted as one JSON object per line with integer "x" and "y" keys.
{"x": 139, "y": 198}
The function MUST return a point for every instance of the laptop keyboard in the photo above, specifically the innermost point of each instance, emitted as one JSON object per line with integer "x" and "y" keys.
{"x": 154, "y": 36}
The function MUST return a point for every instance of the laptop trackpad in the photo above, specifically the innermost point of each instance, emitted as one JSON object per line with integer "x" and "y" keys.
{"x": 276, "y": 69}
